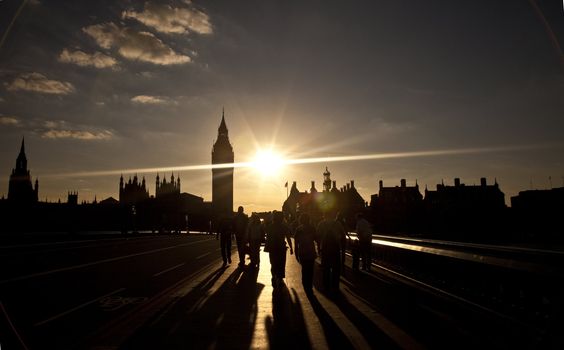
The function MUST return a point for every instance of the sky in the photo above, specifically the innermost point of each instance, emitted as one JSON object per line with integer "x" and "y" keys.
{"x": 464, "y": 89}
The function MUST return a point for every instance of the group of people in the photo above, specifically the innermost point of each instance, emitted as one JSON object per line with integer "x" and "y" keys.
{"x": 249, "y": 234}
{"x": 327, "y": 240}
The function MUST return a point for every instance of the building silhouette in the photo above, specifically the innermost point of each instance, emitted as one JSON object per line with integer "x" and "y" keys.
{"x": 164, "y": 188}
{"x": 537, "y": 214}
{"x": 20, "y": 189}
{"x": 132, "y": 191}
{"x": 72, "y": 198}
{"x": 397, "y": 208}
{"x": 465, "y": 211}
{"x": 222, "y": 177}
{"x": 346, "y": 201}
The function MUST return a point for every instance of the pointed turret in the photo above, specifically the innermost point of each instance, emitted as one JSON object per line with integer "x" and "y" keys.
{"x": 21, "y": 161}
{"x": 326, "y": 180}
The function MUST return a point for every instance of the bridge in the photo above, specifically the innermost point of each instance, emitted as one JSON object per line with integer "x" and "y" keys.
{"x": 114, "y": 291}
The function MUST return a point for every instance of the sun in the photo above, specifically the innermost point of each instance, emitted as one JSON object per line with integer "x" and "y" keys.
{"x": 267, "y": 162}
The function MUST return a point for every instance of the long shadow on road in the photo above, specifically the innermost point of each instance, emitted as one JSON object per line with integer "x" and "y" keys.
{"x": 286, "y": 328}
{"x": 370, "y": 331}
{"x": 224, "y": 319}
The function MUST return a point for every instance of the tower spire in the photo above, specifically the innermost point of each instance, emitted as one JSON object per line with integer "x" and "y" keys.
{"x": 22, "y": 148}
{"x": 222, "y": 126}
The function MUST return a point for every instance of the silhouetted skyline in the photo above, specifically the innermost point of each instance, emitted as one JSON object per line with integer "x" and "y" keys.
{"x": 113, "y": 86}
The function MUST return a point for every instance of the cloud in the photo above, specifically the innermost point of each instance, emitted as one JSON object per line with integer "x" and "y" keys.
{"x": 83, "y": 59}
{"x": 37, "y": 82}
{"x": 133, "y": 45}
{"x": 151, "y": 100}
{"x": 60, "y": 129}
{"x": 77, "y": 134}
{"x": 9, "y": 121}
{"x": 168, "y": 19}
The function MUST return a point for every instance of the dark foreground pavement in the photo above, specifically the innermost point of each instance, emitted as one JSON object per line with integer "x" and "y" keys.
{"x": 171, "y": 292}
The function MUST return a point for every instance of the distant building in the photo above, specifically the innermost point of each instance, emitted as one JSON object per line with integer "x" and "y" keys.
{"x": 167, "y": 188}
{"x": 222, "y": 178}
{"x": 396, "y": 209}
{"x": 465, "y": 208}
{"x": 537, "y": 214}
{"x": 132, "y": 191}
{"x": 20, "y": 189}
{"x": 72, "y": 198}
{"x": 346, "y": 201}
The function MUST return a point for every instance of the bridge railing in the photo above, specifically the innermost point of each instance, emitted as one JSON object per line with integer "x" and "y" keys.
{"x": 522, "y": 283}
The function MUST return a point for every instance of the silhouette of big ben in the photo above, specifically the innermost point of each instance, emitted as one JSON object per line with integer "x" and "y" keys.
{"x": 20, "y": 189}
{"x": 222, "y": 178}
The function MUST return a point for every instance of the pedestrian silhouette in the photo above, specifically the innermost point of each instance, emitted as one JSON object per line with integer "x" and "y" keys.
{"x": 224, "y": 235}
{"x": 364, "y": 233}
{"x": 344, "y": 235}
{"x": 276, "y": 232}
{"x": 330, "y": 231}
{"x": 240, "y": 226}
{"x": 255, "y": 235}
{"x": 305, "y": 251}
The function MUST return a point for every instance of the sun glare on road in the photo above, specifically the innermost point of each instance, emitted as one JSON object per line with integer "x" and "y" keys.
{"x": 267, "y": 162}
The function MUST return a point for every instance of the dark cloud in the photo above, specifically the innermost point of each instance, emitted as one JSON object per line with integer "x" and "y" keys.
{"x": 61, "y": 129}
{"x": 38, "y": 82}
{"x": 9, "y": 120}
{"x": 83, "y": 59}
{"x": 152, "y": 100}
{"x": 169, "y": 19}
{"x": 134, "y": 45}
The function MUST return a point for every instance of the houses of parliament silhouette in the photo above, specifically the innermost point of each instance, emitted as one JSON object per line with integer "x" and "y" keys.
{"x": 471, "y": 213}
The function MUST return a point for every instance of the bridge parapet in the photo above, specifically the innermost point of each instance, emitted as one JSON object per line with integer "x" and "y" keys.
{"x": 522, "y": 286}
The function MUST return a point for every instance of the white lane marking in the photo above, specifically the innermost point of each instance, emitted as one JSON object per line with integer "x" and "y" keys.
{"x": 12, "y": 326}
{"x": 203, "y": 255}
{"x": 101, "y": 240}
{"x": 38, "y": 274}
{"x": 77, "y": 307}
{"x": 167, "y": 270}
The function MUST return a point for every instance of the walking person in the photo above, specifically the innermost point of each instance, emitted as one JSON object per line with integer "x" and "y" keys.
{"x": 329, "y": 231}
{"x": 240, "y": 226}
{"x": 344, "y": 234}
{"x": 255, "y": 234}
{"x": 364, "y": 233}
{"x": 305, "y": 251}
{"x": 224, "y": 232}
{"x": 278, "y": 231}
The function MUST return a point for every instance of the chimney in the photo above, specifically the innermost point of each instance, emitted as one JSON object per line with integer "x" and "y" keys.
{"x": 334, "y": 184}
{"x": 483, "y": 182}
{"x": 402, "y": 181}
{"x": 352, "y": 183}
{"x": 456, "y": 181}
{"x": 348, "y": 187}
{"x": 381, "y": 184}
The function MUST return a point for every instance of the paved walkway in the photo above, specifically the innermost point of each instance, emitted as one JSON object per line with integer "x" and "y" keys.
{"x": 232, "y": 308}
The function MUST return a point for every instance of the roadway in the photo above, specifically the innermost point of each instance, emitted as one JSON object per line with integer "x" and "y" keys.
{"x": 171, "y": 292}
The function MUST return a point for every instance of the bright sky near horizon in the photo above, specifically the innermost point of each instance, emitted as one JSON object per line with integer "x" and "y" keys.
{"x": 373, "y": 89}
